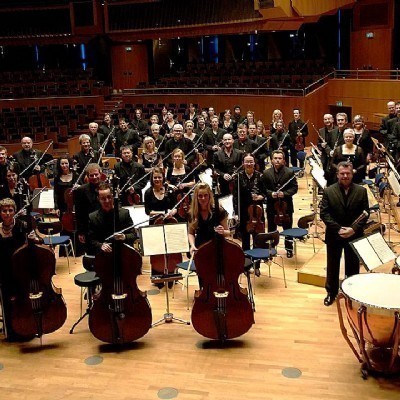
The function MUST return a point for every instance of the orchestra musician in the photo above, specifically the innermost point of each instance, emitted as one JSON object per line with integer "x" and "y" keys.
{"x": 363, "y": 137}
{"x": 243, "y": 143}
{"x": 227, "y": 122}
{"x": 139, "y": 125}
{"x": 129, "y": 169}
{"x": 149, "y": 157}
{"x": 298, "y": 130}
{"x": 263, "y": 152}
{"x": 168, "y": 125}
{"x": 277, "y": 116}
{"x": 101, "y": 223}
{"x": 341, "y": 205}
{"x": 248, "y": 190}
{"x": 280, "y": 140}
{"x": 280, "y": 201}
{"x": 191, "y": 115}
{"x": 212, "y": 139}
{"x": 391, "y": 107}
{"x": 226, "y": 161}
{"x": 86, "y": 153}
{"x": 350, "y": 152}
{"x": 28, "y": 155}
{"x": 13, "y": 234}
{"x": 325, "y": 142}
{"x": 85, "y": 200}
{"x": 178, "y": 141}
{"x": 105, "y": 128}
{"x": 158, "y": 139}
{"x": 14, "y": 188}
{"x": 126, "y": 136}
{"x": 96, "y": 137}
{"x": 4, "y": 164}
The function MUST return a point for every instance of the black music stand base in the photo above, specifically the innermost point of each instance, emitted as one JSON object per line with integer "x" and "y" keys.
{"x": 168, "y": 316}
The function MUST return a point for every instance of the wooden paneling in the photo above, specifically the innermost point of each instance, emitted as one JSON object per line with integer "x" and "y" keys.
{"x": 42, "y": 146}
{"x": 376, "y": 51}
{"x": 129, "y": 65}
{"x": 317, "y": 7}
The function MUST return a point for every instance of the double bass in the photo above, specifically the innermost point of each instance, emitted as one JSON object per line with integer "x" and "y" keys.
{"x": 38, "y": 306}
{"x": 121, "y": 312}
{"x": 221, "y": 309}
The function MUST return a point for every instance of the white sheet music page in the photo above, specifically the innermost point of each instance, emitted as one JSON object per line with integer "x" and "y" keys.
{"x": 384, "y": 252}
{"x": 46, "y": 199}
{"x": 153, "y": 240}
{"x": 366, "y": 251}
{"x": 176, "y": 238}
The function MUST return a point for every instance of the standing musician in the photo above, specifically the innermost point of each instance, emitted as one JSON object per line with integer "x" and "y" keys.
{"x": 168, "y": 124}
{"x": 324, "y": 140}
{"x": 280, "y": 140}
{"x": 178, "y": 141}
{"x": 158, "y": 139}
{"x": 350, "y": 152}
{"x": 101, "y": 223}
{"x": 85, "y": 199}
{"x": 15, "y": 188}
{"x": 227, "y": 122}
{"x": 96, "y": 137}
{"x": 226, "y": 161}
{"x": 191, "y": 115}
{"x": 149, "y": 157}
{"x": 86, "y": 153}
{"x": 280, "y": 202}
{"x": 391, "y": 107}
{"x": 263, "y": 152}
{"x": 243, "y": 143}
{"x": 4, "y": 164}
{"x": 341, "y": 205}
{"x": 201, "y": 218}
{"x": 12, "y": 236}
{"x": 105, "y": 129}
{"x": 125, "y": 136}
{"x": 363, "y": 137}
{"x": 394, "y": 133}
{"x": 277, "y": 116}
{"x": 298, "y": 130}
{"x": 212, "y": 139}
{"x": 248, "y": 190}
{"x": 130, "y": 169}
{"x": 138, "y": 124}
{"x": 201, "y": 126}
{"x": 196, "y": 140}
{"x": 28, "y": 155}
{"x": 176, "y": 175}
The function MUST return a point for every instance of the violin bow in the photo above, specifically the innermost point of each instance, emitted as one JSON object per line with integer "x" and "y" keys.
{"x": 103, "y": 146}
{"x": 76, "y": 185}
{"x": 36, "y": 162}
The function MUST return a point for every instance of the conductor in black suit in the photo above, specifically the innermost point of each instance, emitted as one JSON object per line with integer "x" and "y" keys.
{"x": 101, "y": 223}
{"x": 273, "y": 179}
{"x": 341, "y": 205}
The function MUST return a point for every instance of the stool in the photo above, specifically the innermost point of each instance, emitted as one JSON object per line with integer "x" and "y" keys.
{"x": 87, "y": 281}
{"x": 248, "y": 264}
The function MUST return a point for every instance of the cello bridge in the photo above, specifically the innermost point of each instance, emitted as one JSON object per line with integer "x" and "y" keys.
{"x": 221, "y": 295}
{"x": 119, "y": 296}
{"x": 35, "y": 296}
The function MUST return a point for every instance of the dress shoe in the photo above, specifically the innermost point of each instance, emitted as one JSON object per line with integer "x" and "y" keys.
{"x": 329, "y": 300}
{"x": 257, "y": 272}
{"x": 289, "y": 254}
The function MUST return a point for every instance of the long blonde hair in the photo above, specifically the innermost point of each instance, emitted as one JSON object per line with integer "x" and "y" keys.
{"x": 194, "y": 205}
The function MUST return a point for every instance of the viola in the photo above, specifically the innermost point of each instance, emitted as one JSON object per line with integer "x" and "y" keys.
{"x": 133, "y": 198}
{"x": 221, "y": 309}
{"x": 68, "y": 219}
{"x": 299, "y": 145}
{"x": 183, "y": 207}
{"x": 255, "y": 224}
{"x": 38, "y": 307}
{"x": 38, "y": 180}
{"x": 281, "y": 215}
{"x": 121, "y": 312}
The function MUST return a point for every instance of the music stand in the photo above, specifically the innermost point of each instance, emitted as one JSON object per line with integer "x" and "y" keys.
{"x": 165, "y": 239}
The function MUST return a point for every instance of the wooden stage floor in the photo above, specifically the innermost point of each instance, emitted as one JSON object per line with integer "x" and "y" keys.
{"x": 294, "y": 334}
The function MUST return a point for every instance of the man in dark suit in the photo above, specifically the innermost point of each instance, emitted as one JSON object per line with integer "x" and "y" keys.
{"x": 212, "y": 139}
{"x": 298, "y": 130}
{"x": 391, "y": 106}
{"x": 273, "y": 179}
{"x": 392, "y": 138}
{"x": 96, "y": 137}
{"x": 101, "y": 223}
{"x": 179, "y": 141}
{"x": 243, "y": 143}
{"x": 129, "y": 169}
{"x": 226, "y": 161}
{"x": 341, "y": 206}
{"x": 124, "y": 135}
{"x": 324, "y": 139}
{"x": 263, "y": 151}
{"x": 86, "y": 154}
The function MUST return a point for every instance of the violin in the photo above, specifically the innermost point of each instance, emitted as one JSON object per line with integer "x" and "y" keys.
{"x": 255, "y": 224}
{"x": 38, "y": 306}
{"x": 221, "y": 308}
{"x": 281, "y": 215}
{"x": 121, "y": 312}
{"x": 68, "y": 218}
{"x": 299, "y": 145}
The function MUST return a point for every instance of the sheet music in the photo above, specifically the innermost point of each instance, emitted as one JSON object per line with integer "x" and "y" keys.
{"x": 226, "y": 202}
{"x": 206, "y": 177}
{"x": 176, "y": 238}
{"x": 394, "y": 183}
{"x": 367, "y": 254}
{"x": 371, "y": 198}
{"x": 138, "y": 215}
{"x": 381, "y": 248}
{"x": 46, "y": 199}
{"x": 153, "y": 240}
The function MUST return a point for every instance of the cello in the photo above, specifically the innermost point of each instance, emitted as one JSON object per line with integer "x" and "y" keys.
{"x": 121, "y": 312}
{"x": 38, "y": 306}
{"x": 221, "y": 308}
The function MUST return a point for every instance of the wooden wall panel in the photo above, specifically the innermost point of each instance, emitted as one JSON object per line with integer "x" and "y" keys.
{"x": 129, "y": 67}
{"x": 376, "y": 52}
{"x": 317, "y": 7}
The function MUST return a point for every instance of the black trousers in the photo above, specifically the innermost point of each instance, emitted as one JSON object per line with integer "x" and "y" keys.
{"x": 293, "y": 158}
{"x": 333, "y": 254}
{"x": 286, "y": 225}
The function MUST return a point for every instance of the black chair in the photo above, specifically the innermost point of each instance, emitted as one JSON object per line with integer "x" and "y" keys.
{"x": 265, "y": 250}
{"x": 88, "y": 282}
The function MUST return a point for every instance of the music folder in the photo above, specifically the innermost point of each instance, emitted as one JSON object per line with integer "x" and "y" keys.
{"x": 373, "y": 251}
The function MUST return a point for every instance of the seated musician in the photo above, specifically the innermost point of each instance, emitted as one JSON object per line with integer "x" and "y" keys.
{"x": 85, "y": 199}
{"x": 129, "y": 169}
{"x": 280, "y": 202}
{"x": 27, "y": 156}
{"x": 248, "y": 190}
{"x": 12, "y": 236}
{"x": 86, "y": 154}
{"x": 101, "y": 223}
{"x": 226, "y": 161}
